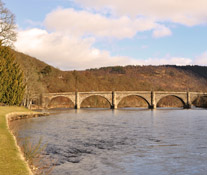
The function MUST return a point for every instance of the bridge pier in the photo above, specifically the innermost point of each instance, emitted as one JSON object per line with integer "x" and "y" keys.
{"x": 77, "y": 101}
{"x": 153, "y": 104}
{"x": 188, "y": 104}
{"x": 114, "y": 103}
{"x": 152, "y": 107}
{"x": 77, "y": 107}
{"x": 113, "y": 107}
{"x": 44, "y": 102}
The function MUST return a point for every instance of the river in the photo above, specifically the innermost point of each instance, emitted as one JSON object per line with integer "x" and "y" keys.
{"x": 123, "y": 142}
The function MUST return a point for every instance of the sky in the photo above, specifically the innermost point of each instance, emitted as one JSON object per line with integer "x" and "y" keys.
{"x": 83, "y": 34}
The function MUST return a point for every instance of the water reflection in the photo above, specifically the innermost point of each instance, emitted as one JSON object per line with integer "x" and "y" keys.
{"x": 123, "y": 141}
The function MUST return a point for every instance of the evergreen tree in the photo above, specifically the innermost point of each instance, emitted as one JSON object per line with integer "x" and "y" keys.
{"x": 11, "y": 78}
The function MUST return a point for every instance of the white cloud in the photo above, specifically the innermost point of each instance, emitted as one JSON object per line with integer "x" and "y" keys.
{"x": 169, "y": 61}
{"x": 161, "y": 31}
{"x": 80, "y": 23}
{"x": 186, "y": 12}
{"x": 69, "y": 44}
{"x": 66, "y": 52}
{"x": 201, "y": 60}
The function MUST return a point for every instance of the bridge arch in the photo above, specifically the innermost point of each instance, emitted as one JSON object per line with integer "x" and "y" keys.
{"x": 200, "y": 101}
{"x": 132, "y": 95}
{"x": 61, "y": 102}
{"x": 96, "y": 101}
{"x": 171, "y": 101}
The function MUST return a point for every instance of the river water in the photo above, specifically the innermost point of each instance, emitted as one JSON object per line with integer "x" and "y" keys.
{"x": 123, "y": 142}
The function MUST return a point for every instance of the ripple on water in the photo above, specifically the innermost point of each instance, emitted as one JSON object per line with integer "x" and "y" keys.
{"x": 96, "y": 142}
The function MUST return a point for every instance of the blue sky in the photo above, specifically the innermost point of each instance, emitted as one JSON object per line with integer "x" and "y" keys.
{"x": 80, "y": 34}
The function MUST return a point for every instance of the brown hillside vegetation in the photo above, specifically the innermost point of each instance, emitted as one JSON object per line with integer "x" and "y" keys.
{"x": 131, "y": 78}
{"x": 42, "y": 78}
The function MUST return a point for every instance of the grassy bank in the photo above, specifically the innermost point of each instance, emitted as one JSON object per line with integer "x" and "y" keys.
{"x": 11, "y": 162}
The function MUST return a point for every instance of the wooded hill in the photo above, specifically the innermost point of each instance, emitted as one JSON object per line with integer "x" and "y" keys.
{"x": 41, "y": 77}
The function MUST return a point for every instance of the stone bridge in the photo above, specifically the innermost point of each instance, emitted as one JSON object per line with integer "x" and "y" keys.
{"x": 114, "y": 97}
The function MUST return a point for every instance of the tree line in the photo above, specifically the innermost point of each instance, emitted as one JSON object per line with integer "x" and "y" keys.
{"x": 11, "y": 77}
{"x": 198, "y": 70}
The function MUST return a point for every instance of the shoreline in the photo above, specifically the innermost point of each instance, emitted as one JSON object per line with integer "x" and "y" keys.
{"x": 12, "y": 116}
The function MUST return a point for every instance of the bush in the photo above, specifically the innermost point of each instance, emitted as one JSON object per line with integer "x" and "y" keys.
{"x": 46, "y": 70}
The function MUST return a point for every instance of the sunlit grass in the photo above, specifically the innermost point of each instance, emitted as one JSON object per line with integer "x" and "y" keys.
{"x": 10, "y": 159}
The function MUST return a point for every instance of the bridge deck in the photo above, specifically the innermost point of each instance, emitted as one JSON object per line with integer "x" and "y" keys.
{"x": 114, "y": 97}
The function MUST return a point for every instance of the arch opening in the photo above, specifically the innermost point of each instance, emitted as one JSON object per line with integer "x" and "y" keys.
{"x": 35, "y": 103}
{"x": 200, "y": 102}
{"x": 171, "y": 101}
{"x": 60, "y": 102}
{"x": 95, "y": 101}
{"x": 133, "y": 101}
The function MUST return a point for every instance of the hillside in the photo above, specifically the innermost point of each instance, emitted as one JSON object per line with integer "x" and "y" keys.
{"x": 44, "y": 78}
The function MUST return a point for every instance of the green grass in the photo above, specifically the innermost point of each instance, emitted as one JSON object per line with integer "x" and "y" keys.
{"x": 10, "y": 160}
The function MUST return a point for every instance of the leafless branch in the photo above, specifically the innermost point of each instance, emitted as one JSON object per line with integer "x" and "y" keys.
{"x": 7, "y": 26}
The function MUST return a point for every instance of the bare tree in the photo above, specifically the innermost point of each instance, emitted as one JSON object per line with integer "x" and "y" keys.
{"x": 7, "y": 26}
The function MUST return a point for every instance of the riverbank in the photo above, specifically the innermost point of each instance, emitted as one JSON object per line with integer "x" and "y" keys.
{"x": 11, "y": 159}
